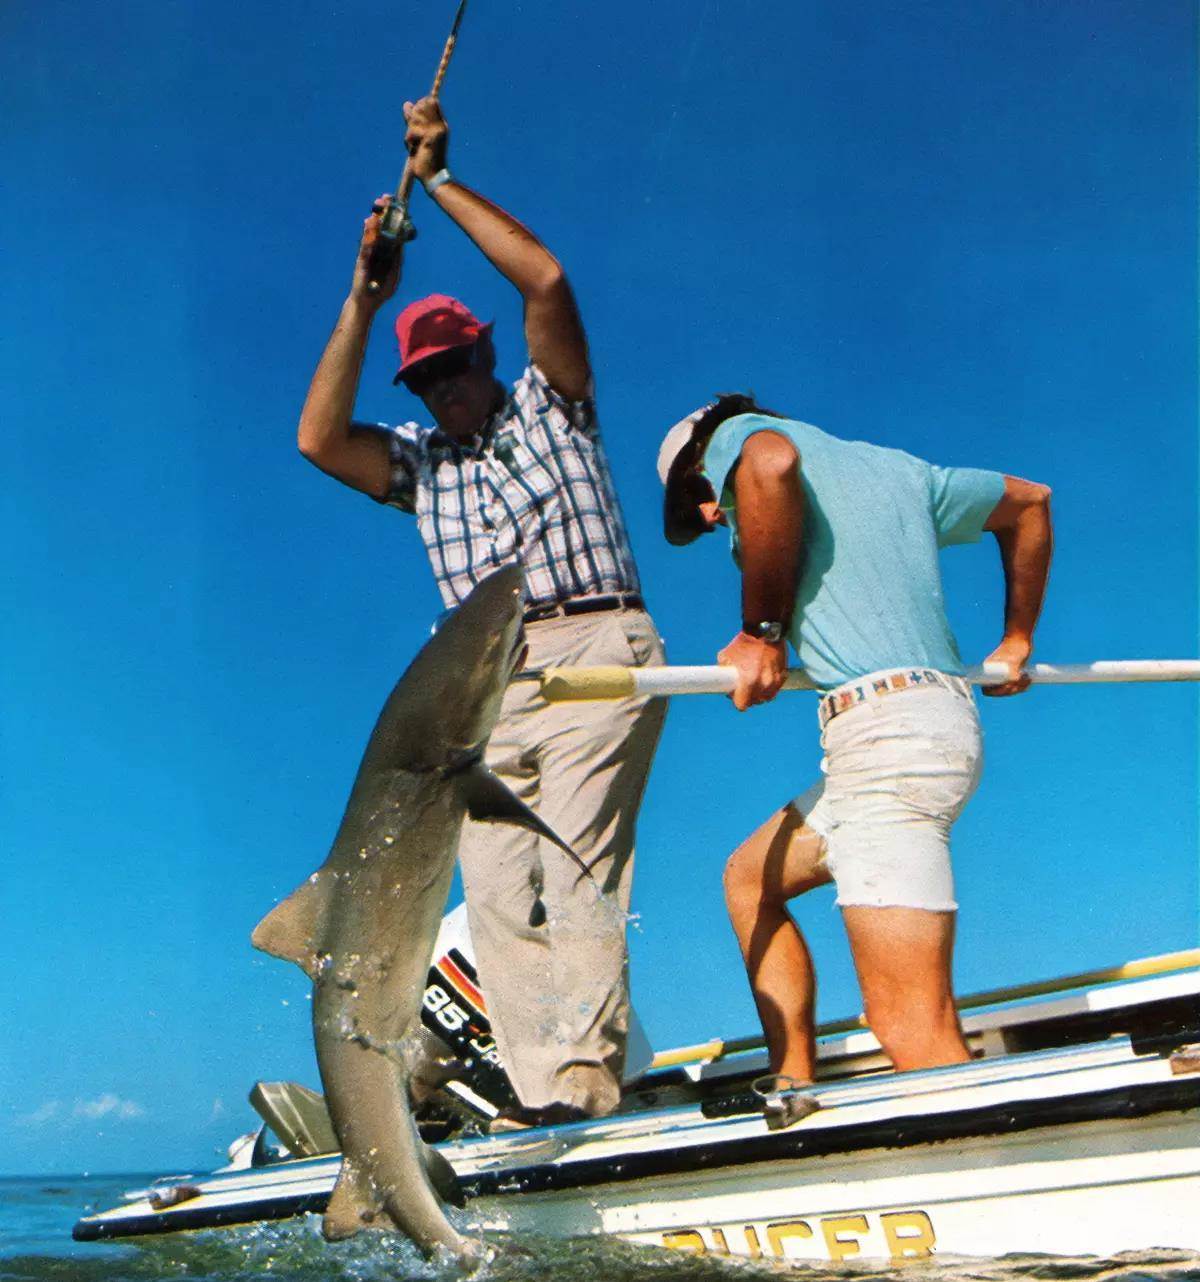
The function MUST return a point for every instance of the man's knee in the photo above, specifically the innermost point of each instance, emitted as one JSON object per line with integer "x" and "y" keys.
{"x": 899, "y": 1016}
{"x": 911, "y": 1015}
{"x": 743, "y": 881}
{"x": 903, "y": 960}
{"x": 916, "y": 1033}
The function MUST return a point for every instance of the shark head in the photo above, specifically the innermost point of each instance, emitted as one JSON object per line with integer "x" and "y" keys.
{"x": 443, "y": 708}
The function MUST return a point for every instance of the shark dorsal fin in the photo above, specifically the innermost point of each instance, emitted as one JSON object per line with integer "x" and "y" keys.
{"x": 289, "y": 930}
{"x": 489, "y": 800}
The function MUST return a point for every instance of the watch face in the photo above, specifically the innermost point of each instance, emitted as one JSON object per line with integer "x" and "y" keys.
{"x": 771, "y": 632}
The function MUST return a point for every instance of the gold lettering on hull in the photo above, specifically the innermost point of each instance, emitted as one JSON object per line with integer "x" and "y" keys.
{"x": 688, "y": 1240}
{"x": 842, "y": 1248}
{"x": 778, "y": 1234}
{"x": 909, "y": 1235}
{"x": 904, "y": 1235}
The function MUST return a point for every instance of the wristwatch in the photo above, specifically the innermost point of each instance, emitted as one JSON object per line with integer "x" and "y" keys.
{"x": 439, "y": 179}
{"x": 770, "y": 631}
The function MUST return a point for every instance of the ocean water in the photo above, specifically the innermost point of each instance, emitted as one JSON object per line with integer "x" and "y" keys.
{"x": 36, "y": 1215}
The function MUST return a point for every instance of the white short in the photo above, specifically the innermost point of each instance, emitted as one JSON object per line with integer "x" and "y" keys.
{"x": 899, "y": 767}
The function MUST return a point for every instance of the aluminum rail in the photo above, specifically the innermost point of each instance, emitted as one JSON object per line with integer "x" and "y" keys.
{"x": 567, "y": 685}
{"x": 1163, "y": 964}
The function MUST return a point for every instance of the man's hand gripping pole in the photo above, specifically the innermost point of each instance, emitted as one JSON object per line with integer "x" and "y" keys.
{"x": 395, "y": 226}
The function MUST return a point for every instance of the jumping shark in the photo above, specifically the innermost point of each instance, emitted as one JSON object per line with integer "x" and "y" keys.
{"x": 363, "y": 925}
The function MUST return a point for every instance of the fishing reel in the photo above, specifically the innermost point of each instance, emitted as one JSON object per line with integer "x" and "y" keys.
{"x": 395, "y": 230}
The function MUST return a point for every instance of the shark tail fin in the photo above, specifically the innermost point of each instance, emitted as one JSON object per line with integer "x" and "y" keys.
{"x": 442, "y": 1176}
{"x": 353, "y": 1206}
{"x": 289, "y": 930}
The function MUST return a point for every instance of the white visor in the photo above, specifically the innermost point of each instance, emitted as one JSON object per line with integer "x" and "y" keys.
{"x": 676, "y": 439}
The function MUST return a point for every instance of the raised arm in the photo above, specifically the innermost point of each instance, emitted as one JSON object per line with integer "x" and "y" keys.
{"x": 553, "y": 330}
{"x": 1021, "y": 523}
{"x": 325, "y": 435}
{"x": 770, "y": 519}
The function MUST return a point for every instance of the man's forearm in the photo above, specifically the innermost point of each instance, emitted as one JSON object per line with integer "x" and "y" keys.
{"x": 329, "y": 406}
{"x": 770, "y": 518}
{"x": 509, "y": 246}
{"x": 553, "y": 330}
{"x": 1025, "y": 550}
{"x": 770, "y": 513}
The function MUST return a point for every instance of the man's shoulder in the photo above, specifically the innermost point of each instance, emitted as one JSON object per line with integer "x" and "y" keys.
{"x": 533, "y": 402}
{"x": 411, "y": 433}
{"x": 727, "y": 441}
{"x": 889, "y": 459}
{"x": 742, "y": 426}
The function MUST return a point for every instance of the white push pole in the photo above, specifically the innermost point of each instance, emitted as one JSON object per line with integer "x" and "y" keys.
{"x": 564, "y": 685}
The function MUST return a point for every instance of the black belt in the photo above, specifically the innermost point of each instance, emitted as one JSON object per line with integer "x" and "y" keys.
{"x": 584, "y": 605}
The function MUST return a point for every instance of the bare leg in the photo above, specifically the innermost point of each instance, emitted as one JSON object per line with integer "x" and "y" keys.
{"x": 780, "y": 860}
{"x": 903, "y": 957}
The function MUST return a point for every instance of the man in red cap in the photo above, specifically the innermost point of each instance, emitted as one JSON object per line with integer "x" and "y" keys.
{"x": 518, "y": 475}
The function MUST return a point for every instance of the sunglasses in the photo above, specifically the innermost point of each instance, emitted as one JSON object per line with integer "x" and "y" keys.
{"x": 435, "y": 369}
{"x": 682, "y": 519}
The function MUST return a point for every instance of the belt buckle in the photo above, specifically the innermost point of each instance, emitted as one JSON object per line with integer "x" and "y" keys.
{"x": 538, "y": 613}
{"x": 592, "y": 605}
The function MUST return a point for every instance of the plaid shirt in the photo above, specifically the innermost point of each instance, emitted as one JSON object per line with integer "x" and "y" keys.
{"x": 533, "y": 487}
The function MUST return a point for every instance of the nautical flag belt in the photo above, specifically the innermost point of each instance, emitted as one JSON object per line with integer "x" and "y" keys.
{"x": 880, "y": 683}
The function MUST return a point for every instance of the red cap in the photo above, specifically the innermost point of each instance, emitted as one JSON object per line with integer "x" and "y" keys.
{"x": 433, "y": 325}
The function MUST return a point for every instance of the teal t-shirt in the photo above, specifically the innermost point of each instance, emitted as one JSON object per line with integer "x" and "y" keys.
{"x": 869, "y": 595}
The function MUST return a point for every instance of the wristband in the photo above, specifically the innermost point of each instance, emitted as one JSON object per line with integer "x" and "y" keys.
{"x": 442, "y": 177}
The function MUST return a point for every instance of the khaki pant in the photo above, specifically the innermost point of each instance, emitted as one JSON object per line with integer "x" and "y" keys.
{"x": 558, "y": 994}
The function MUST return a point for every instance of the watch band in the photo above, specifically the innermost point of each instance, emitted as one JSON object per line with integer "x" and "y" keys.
{"x": 770, "y": 631}
{"x": 439, "y": 179}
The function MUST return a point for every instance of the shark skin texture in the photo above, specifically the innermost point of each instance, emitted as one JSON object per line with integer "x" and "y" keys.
{"x": 363, "y": 925}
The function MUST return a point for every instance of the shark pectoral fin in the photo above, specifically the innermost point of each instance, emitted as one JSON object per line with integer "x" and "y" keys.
{"x": 442, "y": 1176}
{"x": 289, "y": 930}
{"x": 353, "y": 1206}
{"x": 488, "y": 800}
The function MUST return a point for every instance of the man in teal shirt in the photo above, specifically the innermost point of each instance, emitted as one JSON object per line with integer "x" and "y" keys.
{"x": 838, "y": 545}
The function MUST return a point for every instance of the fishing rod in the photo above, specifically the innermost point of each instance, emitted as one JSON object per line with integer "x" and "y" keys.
{"x": 577, "y": 684}
{"x": 395, "y": 226}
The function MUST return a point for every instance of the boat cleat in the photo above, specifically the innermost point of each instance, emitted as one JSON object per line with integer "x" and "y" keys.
{"x": 785, "y": 1101}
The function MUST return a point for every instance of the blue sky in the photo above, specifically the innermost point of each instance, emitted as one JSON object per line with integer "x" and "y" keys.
{"x": 965, "y": 230}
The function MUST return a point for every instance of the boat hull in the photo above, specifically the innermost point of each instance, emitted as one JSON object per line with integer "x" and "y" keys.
{"x": 1119, "y": 1172}
{"x": 1091, "y": 1188}
{"x": 1075, "y": 1132}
